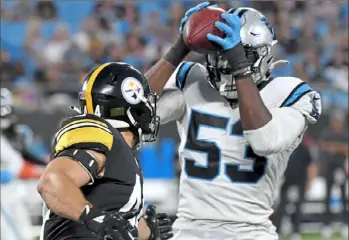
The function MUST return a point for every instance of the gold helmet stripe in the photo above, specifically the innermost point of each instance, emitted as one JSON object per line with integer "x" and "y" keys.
{"x": 90, "y": 82}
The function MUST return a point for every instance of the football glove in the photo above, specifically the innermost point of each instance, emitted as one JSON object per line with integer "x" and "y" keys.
{"x": 190, "y": 12}
{"x": 231, "y": 44}
{"x": 159, "y": 224}
{"x": 110, "y": 226}
{"x": 231, "y": 30}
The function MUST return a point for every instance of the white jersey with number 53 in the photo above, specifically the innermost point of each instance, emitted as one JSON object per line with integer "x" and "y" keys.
{"x": 229, "y": 174}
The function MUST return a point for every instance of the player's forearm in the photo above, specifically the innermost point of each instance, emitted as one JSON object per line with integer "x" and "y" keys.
{"x": 62, "y": 195}
{"x": 253, "y": 112}
{"x": 286, "y": 125}
{"x": 143, "y": 230}
{"x": 160, "y": 73}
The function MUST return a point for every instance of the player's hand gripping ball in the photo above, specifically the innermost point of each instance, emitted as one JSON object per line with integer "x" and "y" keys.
{"x": 197, "y": 27}
{"x": 231, "y": 30}
{"x": 190, "y": 12}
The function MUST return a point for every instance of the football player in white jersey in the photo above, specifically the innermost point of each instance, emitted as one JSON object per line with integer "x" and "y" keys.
{"x": 237, "y": 129}
{"x": 15, "y": 217}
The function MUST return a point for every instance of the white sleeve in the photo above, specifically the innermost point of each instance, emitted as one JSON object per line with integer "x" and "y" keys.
{"x": 171, "y": 104}
{"x": 285, "y": 130}
{"x": 10, "y": 158}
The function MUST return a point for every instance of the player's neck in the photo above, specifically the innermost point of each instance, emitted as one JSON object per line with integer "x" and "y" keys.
{"x": 129, "y": 138}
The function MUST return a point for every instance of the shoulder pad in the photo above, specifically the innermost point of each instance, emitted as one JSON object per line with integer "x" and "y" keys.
{"x": 286, "y": 91}
{"x": 296, "y": 90}
{"x": 85, "y": 132}
{"x": 298, "y": 94}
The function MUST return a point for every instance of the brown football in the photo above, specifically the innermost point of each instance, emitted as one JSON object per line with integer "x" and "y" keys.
{"x": 199, "y": 25}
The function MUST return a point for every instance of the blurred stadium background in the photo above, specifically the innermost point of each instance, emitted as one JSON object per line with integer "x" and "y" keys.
{"x": 48, "y": 46}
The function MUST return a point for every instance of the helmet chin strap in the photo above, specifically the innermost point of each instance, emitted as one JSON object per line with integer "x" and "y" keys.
{"x": 140, "y": 142}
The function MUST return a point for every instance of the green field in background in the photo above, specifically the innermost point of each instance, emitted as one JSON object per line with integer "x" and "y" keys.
{"x": 317, "y": 236}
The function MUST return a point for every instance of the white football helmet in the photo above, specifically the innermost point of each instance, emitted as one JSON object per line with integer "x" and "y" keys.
{"x": 258, "y": 38}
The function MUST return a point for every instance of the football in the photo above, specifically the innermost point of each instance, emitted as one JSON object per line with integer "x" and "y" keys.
{"x": 198, "y": 26}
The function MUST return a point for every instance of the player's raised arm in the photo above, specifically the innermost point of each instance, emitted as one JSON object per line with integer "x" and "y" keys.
{"x": 267, "y": 131}
{"x": 160, "y": 73}
{"x": 253, "y": 112}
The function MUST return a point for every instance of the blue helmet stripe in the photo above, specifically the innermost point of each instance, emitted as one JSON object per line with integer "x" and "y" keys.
{"x": 242, "y": 12}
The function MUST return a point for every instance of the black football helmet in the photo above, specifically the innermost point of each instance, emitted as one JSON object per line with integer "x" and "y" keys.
{"x": 120, "y": 93}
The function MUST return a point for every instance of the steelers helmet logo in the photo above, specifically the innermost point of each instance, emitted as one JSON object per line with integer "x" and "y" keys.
{"x": 132, "y": 90}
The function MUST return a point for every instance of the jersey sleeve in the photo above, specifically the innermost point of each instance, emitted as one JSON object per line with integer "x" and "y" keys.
{"x": 172, "y": 104}
{"x": 83, "y": 132}
{"x": 285, "y": 131}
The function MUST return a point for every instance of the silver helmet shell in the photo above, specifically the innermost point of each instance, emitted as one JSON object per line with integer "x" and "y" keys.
{"x": 258, "y": 38}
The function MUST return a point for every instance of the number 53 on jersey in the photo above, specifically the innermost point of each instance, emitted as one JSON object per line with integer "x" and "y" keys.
{"x": 213, "y": 152}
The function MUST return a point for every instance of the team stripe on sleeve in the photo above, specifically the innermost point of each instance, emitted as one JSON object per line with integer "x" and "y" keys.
{"x": 84, "y": 133}
{"x": 182, "y": 74}
{"x": 296, "y": 94}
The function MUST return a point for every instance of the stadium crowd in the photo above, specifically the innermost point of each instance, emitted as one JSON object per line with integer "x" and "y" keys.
{"x": 48, "y": 46}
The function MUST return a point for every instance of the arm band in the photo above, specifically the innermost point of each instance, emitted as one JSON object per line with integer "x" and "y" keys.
{"x": 86, "y": 160}
{"x": 177, "y": 52}
{"x": 238, "y": 61}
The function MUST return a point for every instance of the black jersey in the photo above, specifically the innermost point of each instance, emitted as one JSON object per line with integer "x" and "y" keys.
{"x": 120, "y": 188}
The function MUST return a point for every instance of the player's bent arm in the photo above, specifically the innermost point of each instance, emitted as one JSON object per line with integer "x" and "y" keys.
{"x": 60, "y": 184}
{"x": 161, "y": 72}
{"x": 254, "y": 114}
{"x": 171, "y": 105}
{"x": 285, "y": 126}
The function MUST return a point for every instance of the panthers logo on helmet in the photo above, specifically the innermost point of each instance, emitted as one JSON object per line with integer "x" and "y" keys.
{"x": 132, "y": 90}
{"x": 267, "y": 23}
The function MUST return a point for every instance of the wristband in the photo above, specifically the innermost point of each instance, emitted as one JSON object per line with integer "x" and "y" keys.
{"x": 243, "y": 73}
{"x": 237, "y": 60}
{"x": 177, "y": 52}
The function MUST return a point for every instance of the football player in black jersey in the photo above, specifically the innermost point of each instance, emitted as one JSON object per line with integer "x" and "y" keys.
{"x": 93, "y": 186}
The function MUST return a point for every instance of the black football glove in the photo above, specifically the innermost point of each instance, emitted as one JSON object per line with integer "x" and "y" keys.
{"x": 110, "y": 226}
{"x": 159, "y": 224}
